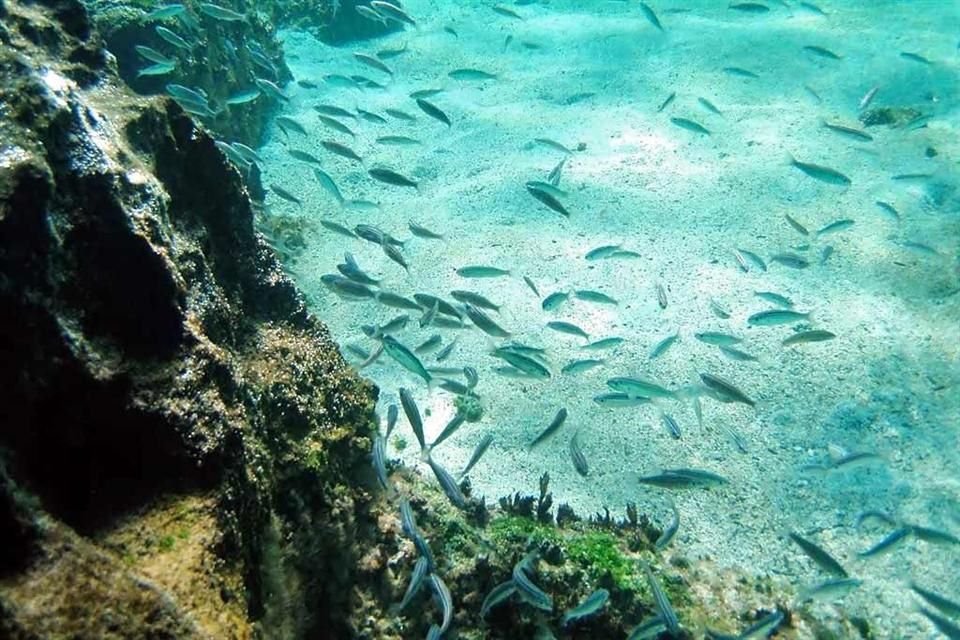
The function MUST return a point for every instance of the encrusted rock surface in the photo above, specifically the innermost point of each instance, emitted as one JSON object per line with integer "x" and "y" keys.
{"x": 159, "y": 370}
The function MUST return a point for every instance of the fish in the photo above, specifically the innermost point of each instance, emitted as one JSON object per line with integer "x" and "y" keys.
{"x": 527, "y": 590}
{"x": 649, "y": 628}
{"x": 351, "y": 270}
{"x": 791, "y": 260}
{"x": 166, "y": 11}
{"x": 286, "y": 122}
{"x": 554, "y": 300}
{"x": 405, "y": 358}
{"x": 816, "y": 553}
{"x": 400, "y": 115}
{"x": 590, "y": 605}
{"x": 430, "y": 344}
{"x": 370, "y": 116}
{"x": 709, "y": 106}
{"x": 420, "y": 570}
{"x": 576, "y": 455}
{"x": 158, "y": 69}
{"x": 444, "y": 353}
{"x": 413, "y": 416}
{"x": 670, "y": 530}
{"x": 661, "y": 347}
{"x": 814, "y": 335}
{"x": 620, "y": 400}
{"x": 338, "y": 80}
{"x": 741, "y": 261}
{"x": 389, "y": 176}
{"x": 475, "y": 299}
{"x": 868, "y": 98}
{"x": 506, "y": 11}
{"x": 243, "y": 96}
{"x": 684, "y": 478}
{"x": 396, "y": 301}
{"x": 802, "y": 230}
{"x": 483, "y": 322}
{"x": 552, "y": 428}
{"x": 594, "y": 296}
{"x": 833, "y": 227}
{"x": 471, "y": 74}
{"x": 433, "y": 111}
{"x": 554, "y": 176}
{"x": 773, "y": 317}
{"x": 553, "y": 144}
{"x": 303, "y": 156}
{"x": 945, "y": 605}
{"x": 423, "y": 232}
{"x": 830, "y": 589}
{"x": 499, "y": 594}
{"x": 821, "y": 173}
{"x": 533, "y": 287}
{"x": 220, "y": 13}
{"x": 386, "y": 54}
{"x": 443, "y": 596}
{"x": 889, "y": 209}
{"x": 568, "y": 328}
{"x": 719, "y": 310}
{"x": 717, "y": 339}
{"x": 271, "y": 89}
{"x": 375, "y": 235}
{"x": 723, "y": 390}
{"x": 379, "y": 457}
{"x": 661, "y": 296}
{"x": 328, "y": 184}
{"x": 892, "y": 539}
{"x": 394, "y": 254}
{"x": 934, "y": 536}
{"x": 915, "y": 57}
{"x": 651, "y": 17}
{"x": 546, "y": 187}
{"x": 948, "y": 628}
{"x": 392, "y": 12}
{"x": 814, "y": 8}
{"x": 373, "y": 62}
{"x": 671, "y": 424}
{"x": 478, "y": 452}
{"x": 547, "y": 199}
{"x": 154, "y": 56}
{"x": 346, "y": 288}
{"x": 341, "y": 150}
{"x": 427, "y": 301}
{"x": 740, "y": 71}
{"x": 821, "y": 51}
{"x": 754, "y": 258}
{"x": 736, "y": 354}
{"x": 448, "y": 484}
{"x": 286, "y": 195}
{"x": 640, "y": 387}
{"x": 749, "y": 7}
{"x": 172, "y": 38}
{"x": 392, "y": 415}
{"x": 690, "y": 125}
{"x": 850, "y": 132}
{"x": 661, "y": 602}
{"x": 336, "y": 125}
{"x": 604, "y": 251}
{"x": 397, "y": 140}
{"x": 670, "y": 98}
{"x": 579, "y": 366}
{"x": 481, "y": 271}
{"x": 762, "y": 628}
{"x": 334, "y": 111}
{"x": 604, "y": 343}
{"x": 775, "y": 298}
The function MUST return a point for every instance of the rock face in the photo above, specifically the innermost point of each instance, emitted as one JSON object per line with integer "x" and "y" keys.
{"x": 160, "y": 374}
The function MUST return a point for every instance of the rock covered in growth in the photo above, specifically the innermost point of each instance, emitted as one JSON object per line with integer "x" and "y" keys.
{"x": 153, "y": 347}
{"x": 333, "y": 21}
{"x": 223, "y": 59}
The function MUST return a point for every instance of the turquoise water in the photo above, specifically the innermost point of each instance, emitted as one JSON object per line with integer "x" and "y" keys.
{"x": 689, "y": 206}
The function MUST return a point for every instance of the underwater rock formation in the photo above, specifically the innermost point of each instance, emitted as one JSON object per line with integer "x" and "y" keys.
{"x": 180, "y": 439}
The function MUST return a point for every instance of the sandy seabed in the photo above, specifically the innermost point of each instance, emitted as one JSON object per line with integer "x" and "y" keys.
{"x": 887, "y": 384}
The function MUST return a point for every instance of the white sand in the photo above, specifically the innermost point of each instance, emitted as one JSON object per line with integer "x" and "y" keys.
{"x": 887, "y": 384}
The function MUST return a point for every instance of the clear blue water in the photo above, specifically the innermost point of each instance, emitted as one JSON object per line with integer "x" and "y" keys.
{"x": 690, "y": 206}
